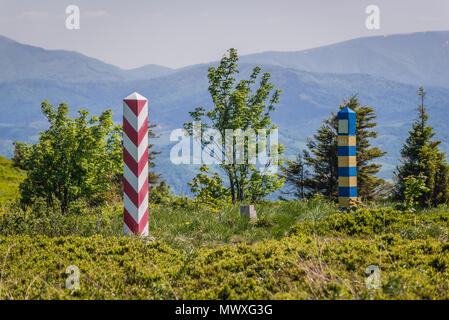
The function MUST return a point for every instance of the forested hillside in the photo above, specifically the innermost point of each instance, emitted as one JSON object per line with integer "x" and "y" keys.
{"x": 307, "y": 97}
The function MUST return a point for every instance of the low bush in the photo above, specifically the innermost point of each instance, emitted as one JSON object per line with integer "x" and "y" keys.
{"x": 370, "y": 222}
{"x": 295, "y": 267}
{"x": 294, "y": 250}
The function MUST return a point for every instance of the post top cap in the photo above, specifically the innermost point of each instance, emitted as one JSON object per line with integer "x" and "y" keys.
{"x": 346, "y": 110}
{"x": 135, "y": 96}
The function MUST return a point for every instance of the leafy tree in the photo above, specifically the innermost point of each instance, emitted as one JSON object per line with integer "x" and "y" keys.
{"x": 295, "y": 175}
{"x": 414, "y": 187}
{"x": 19, "y": 155}
{"x": 209, "y": 189}
{"x": 239, "y": 105}
{"x": 80, "y": 158}
{"x": 420, "y": 156}
{"x": 75, "y": 158}
{"x": 321, "y": 156}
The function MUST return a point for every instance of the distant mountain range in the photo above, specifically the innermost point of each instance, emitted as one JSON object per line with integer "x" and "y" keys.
{"x": 417, "y": 58}
{"x": 383, "y": 71}
{"x": 19, "y": 62}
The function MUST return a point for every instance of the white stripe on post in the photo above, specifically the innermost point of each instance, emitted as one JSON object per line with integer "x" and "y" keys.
{"x": 135, "y": 164}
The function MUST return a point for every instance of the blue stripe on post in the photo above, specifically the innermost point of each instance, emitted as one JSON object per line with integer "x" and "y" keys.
{"x": 347, "y": 171}
{"x": 347, "y": 151}
{"x": 351, "y": 127}
{"x": 347, "y": 191}
{"x": 346, "y": 127}
{"x": 349, "y": 114}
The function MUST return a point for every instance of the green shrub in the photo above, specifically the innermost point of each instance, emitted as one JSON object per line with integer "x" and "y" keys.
{"x": 295, "y": 250}
{"x": 372, "y": 222}
{"x": 79, "y": 221}
{"x": 295, "y": 267}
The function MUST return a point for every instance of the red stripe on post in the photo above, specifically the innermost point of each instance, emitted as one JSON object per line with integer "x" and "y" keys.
{"x": 142, "y": 162}
{"x": 130, "y": 222}
{"x": 133, "y": 135}
{"x": 142, "y": 132}
{"x": 135, "y": 105}
{"x": 135, "y": 197}
{"x": 130, "y": 162}
{"x": 143, "y": 222}
{"x": 129, "y": 131}
{"x": 135, "y": 167}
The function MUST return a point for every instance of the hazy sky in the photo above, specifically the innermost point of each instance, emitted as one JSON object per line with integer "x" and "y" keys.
{"x": 177, "y": 33}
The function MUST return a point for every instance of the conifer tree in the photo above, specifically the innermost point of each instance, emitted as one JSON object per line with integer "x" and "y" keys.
{"x": 420, "y": 156}
{"x": 369, "y": 186}
{"x": 322, "y": 159}
{"x": 295, "y": 174}
{"x": 153, "y": 177}
{"x": 158, "y": 189}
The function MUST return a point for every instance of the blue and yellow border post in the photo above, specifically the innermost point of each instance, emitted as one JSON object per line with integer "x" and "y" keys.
{"x": 347, "y": 160}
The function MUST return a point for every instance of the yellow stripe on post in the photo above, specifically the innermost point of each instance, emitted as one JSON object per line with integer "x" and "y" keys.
{"x": 346, "y": 202}
{"x": 347, "y": 181}
{"x": 347, "y": 158}
{"x": 346, "y": 141}
{"x": 347, "y": 161}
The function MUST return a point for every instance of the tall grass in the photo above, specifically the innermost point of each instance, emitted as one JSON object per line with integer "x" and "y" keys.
{"x": 182, "y": 228}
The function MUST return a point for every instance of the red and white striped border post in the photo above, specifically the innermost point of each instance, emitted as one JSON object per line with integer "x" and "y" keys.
{"x": 135, "y": 164}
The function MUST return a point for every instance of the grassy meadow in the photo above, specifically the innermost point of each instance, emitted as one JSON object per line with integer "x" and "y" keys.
{"x": 10, "y": 179}
{"x": 294, "y": 250}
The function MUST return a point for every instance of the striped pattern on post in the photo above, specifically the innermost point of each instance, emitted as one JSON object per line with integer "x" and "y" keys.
{"x": 347, "y": 160}
{"x": 135, "y": 164}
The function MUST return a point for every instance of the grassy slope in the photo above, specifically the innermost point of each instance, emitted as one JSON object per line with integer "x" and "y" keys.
{"x": 10, "y": 179}
{"x": 309, "y": 252}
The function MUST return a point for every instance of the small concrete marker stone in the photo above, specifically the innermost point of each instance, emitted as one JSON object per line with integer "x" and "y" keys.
{"x": 248, "y": 211}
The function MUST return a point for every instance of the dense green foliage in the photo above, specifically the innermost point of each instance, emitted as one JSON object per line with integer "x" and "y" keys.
{"x": 239, "y": 107}
{"x": 208, "y": 190}
{"x": 421, "y": 156}
{"x": 318, "y": 254}
{"x": 75, "y": 158}
{"x": 414, "y": 188}
{"x": 79, "y": 159}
